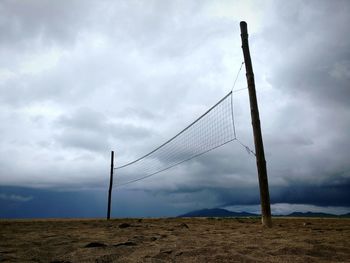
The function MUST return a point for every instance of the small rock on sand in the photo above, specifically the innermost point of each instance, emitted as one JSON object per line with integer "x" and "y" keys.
{"x": 183, "y": 225}
{"x": 124, "y": 225}
{"x": 128, "y": 243}
{"x": 96, "y": 244}
{"x": 166, "y": 251}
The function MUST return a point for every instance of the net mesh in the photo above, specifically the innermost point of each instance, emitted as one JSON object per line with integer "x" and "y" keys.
{"x": 210, "y": 131}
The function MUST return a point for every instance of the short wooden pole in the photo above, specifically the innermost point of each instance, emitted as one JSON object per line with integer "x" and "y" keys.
{"x": 259, "y": 146}
{"x": 110, "y": 186}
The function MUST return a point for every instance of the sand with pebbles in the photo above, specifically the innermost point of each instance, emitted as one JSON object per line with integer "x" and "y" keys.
{"x": 175, "y": 240}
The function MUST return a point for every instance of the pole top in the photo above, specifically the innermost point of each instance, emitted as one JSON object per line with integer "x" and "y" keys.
{"x": 243, "y": 25}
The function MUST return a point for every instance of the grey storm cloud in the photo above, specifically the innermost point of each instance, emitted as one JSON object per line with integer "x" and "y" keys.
{"x": 44, "y": 22}
{"x": 315, "y": 45}
{"x": 91, "y": 130}
{"x": 82, "y": 78}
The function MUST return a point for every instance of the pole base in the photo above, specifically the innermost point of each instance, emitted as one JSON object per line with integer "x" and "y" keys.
{"x": 266, "y": 221}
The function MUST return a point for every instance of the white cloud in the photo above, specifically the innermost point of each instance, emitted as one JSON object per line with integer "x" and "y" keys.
{"x": 40, "y": 62}
{"x": 16, "y": 198}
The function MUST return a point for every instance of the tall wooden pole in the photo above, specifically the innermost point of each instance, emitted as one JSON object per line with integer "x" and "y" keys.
{"x": 110, "y": 186}
{"x": 259, "y": 146}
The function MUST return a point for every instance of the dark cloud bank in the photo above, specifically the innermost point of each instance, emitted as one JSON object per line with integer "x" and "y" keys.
{"x": 17, "y": 202}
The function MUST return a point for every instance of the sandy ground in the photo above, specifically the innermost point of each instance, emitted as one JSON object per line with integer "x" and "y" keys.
{"x": 175, "y": 240}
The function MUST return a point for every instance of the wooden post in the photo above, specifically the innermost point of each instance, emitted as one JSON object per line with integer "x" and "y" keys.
{"x": 259, "y": 146}
{"x": 110, "y": 186}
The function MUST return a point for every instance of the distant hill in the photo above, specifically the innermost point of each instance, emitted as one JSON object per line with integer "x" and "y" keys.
{"x": 310, "y": 214}
{"x": 220, "y": 212}
{"x": 345, "y": 215}
{"x": 216, "y": 212}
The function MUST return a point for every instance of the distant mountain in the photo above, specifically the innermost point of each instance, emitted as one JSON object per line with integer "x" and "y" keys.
{"x": 216, "y": 212}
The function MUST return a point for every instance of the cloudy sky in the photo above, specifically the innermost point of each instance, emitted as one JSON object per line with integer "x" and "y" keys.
{"x": 81, "y": 78}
